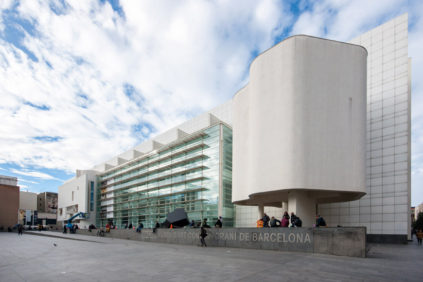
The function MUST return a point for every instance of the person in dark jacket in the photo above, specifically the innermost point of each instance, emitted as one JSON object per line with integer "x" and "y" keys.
{"x": 218, "y": 223}
{"x": 266, "y": 220}
{"x": 320, "y": 222}
{"x": 203, "y": 234}
{"x": 275, "y": 222}
{"x": 295, "y": 221}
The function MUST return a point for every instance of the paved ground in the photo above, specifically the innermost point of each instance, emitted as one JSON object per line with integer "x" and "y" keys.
{"x": 86, "y": 258}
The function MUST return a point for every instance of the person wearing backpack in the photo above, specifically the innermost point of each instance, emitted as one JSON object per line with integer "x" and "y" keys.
{"x": 320, "y": 222}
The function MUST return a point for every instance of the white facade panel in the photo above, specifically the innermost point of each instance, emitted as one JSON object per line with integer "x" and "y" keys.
{"x": 389, "y": 104}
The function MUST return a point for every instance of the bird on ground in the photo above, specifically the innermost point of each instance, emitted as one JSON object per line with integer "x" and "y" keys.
{"x": 54, "y": 244}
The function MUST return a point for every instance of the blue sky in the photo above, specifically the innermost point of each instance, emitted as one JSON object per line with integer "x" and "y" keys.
{"x": 81, "y": 81}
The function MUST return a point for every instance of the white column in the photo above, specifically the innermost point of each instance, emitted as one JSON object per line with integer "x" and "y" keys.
{"x": 302, "y": 206}
{"x": 261, "y": 211}
{"x": 284, "y": 207}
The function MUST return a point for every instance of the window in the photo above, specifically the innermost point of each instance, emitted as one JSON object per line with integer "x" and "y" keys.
{"x": 72, "y": 194}
{"x": 60, "y": 211}
{"x": 91, "y": 195}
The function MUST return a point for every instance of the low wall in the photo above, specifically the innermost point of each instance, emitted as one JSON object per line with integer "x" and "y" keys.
{"x": 348, "y": 241}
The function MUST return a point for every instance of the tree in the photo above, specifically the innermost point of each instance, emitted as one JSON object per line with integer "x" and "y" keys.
{"x": 418, "y": 224}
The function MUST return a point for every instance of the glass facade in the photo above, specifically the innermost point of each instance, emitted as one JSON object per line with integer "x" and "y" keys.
{"x": 194, "y": 173}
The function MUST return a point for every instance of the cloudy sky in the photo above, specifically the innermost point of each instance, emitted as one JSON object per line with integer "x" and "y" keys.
{"x": 81, "y": 81}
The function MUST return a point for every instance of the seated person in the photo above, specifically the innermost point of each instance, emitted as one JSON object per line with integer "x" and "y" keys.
{"x": 275, "y": 222}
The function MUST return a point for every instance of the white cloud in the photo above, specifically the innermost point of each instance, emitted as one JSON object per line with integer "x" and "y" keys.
{"x": 344, "y": 19}
{"x": 35, "y": 174}
{"x": 181, "y": 58}
{"x": 27, "y": 181}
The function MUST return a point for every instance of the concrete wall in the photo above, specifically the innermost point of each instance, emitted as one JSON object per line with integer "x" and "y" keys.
{"x": 334, "y": 241}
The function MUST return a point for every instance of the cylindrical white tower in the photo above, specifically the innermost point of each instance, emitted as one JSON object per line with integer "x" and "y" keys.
{"x": 299, "y": 126}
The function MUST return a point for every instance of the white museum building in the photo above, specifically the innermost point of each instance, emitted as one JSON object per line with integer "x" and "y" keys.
{"x": 321, "y": 127}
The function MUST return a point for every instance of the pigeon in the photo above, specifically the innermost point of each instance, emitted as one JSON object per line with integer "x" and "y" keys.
{"x": 54, "y": 244}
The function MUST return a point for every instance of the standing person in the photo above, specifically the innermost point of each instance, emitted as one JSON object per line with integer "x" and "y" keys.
{"x": 266, "y": 220}
{"x": 274, "y": 222}
{"x": 419, "y": 235}
{"x": 20, "y": 229}
{"x": 203, "y": 234}
{"x": 285, "y": 220}
{"x": 64, "y": 229}
{"x": 140, "y": 227}
{"x": 192, "y": 224}
{"x": 218, "y": 223}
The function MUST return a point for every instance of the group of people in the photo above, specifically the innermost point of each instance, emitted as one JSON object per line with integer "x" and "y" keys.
{"x": 71, "y": 227}
{"x": 204, "y": 223}
{"x": 287, "y": 221}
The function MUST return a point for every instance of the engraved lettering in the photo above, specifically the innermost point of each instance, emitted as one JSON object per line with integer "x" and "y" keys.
{"x": 300, "y": 237}
{"x": 273, "y": 237}
{"x": 291, "y": 237}
{"x": 260, "y": 238}
{"x": 307, "y": 238}
{"x": 266, "y": 237}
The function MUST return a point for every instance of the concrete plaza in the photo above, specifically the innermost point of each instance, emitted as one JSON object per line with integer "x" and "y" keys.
{"x": 73, "y": 257}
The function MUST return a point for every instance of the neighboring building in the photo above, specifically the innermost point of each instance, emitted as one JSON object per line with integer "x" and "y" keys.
{"x": 78, "y": 195}
{"x": 47, "y": 202}
{"x": 47, "y": 208}
{"x": 271, "y": 123}
{"x": 9, "y": 201}
{"x": 28, "y": 201}
{"x": 27, "y": 208}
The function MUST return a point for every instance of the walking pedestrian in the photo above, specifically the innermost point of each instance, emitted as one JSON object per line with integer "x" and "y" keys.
{"x": 20, "y": 229}
{"x": 203, "y": 234}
